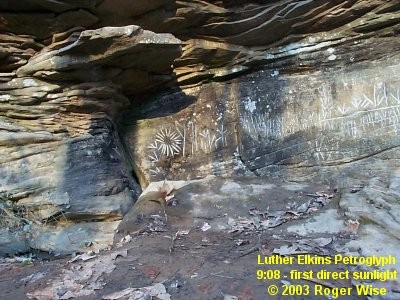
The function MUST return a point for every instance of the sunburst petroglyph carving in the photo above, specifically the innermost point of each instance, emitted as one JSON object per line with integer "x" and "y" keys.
{"x": 168, "y": 142}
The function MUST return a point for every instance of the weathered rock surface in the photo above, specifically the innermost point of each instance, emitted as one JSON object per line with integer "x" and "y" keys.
{"x": 317, "y": 94}
{"x": 45, "y": 130}
{"x": 15, "y": 51}
{"x": 123, "y": 55}
{"x": 69, "y": 238}
{"x": 303, "y": 90}
{"x": 60, "y": 155}
{"x": 280, "y": 33}
{"x": 362, "y": 221}
{"x": 266, "y": 123}
{"x": 226, "y": 37}
{"x": 378, "y": 203}
{"x": 12, "y": 242}
{"x": 225, "y": 203}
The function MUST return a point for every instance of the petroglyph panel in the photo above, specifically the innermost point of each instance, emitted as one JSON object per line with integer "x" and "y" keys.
{"x": 320, "y": 119}
{"x": 196, "y": 141}
{"x": 182, "y": 140}
{"x": 265, "y": 122}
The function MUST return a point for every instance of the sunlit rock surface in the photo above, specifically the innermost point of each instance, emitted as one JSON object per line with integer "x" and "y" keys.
{"x": 314, "y": 125}
{"x": 100, "y": 95}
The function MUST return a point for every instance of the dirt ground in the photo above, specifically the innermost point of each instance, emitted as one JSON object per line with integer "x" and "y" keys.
{"x": 214, "y": 257}
{"x": 200, "y": 265}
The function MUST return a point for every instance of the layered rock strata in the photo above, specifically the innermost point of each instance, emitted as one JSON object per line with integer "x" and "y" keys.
{"x": 61, "y": 160}
{"x": 315, "y": 125}
{"x": 294, "y": 89}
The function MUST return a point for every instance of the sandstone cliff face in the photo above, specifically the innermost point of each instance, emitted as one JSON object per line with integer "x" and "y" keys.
{"x": 61, "y": 158}
{"x": 295, "y": 89}
{"x": 89, "y": 100}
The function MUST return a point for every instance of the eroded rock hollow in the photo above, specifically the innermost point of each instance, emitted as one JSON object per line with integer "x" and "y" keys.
{"x": 100, "y": 97}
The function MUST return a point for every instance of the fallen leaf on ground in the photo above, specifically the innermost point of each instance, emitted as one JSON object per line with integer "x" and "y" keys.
{"x": 275, "y": 223}
{"x": 246, "y": 293}
{"x": 316, "y": 242}
{"x": 326, "y": 195}
{"x": 240, "y": 242}
{"x": 322, "y": 200}
{"x": 84, "y": 256}
{"x": 265, "y": 250}
{"x": 255, "y": 212}
{"x": 80, "y": 280}
{"x": 166, "y": 191}
{"x": 287, "y": 250}
{"x": 229, "y": 297}
{"x": 304, "y": 207}
{"x": 151, "y": 271}
{"x": 317, "y": 245}
{"x": 183, "y": 232}
{"x": 351, "y": 228}
{"x": 356, "y": 189}
{"x": 205, "y": 226}
{"x": 123, "y": 253}
{"x": 204, "y": 287}
{"x": 158, "y": 290}
{"x": 126, "y": 239}
{"x": 33, "y": 277}
{"x": 48, "y": 293}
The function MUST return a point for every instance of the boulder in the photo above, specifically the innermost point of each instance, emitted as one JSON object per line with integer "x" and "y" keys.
{"x": 13, "y": 242}
{"x": 65, "y": 239}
